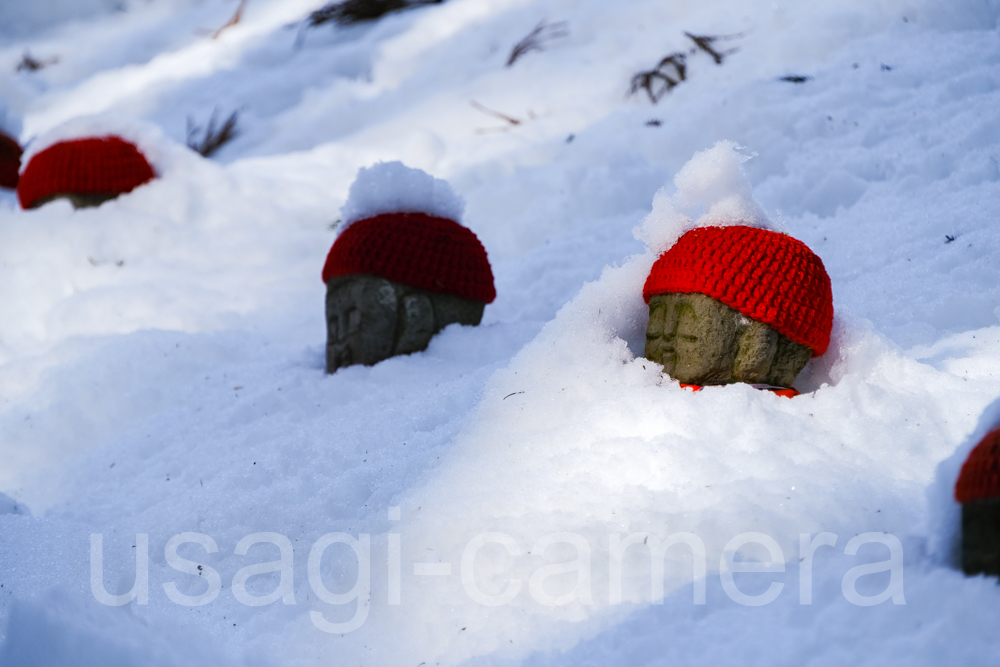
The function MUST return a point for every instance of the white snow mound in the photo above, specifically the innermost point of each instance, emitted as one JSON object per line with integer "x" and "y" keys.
{"x": 392, "y": 187}
{"x": 10, "y": 124}
{"x": 580, "y": 440}
{"x": 712, "y": 190}
{"x": 161, "y": 153}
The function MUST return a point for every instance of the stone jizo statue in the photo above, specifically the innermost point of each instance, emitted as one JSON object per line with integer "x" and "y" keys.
{"x": 978, "y": 490}
{"x": 87, "y": 172}
{"x": 395, "y": 280}
{"x": 737, "y": 304}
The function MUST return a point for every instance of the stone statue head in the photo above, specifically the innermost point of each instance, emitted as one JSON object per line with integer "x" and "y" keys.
{"x": 737, "y": 304}
{"x": 702, "y": 341}
{"x": 395, "y": 280}
{"x": 370, "y": 318}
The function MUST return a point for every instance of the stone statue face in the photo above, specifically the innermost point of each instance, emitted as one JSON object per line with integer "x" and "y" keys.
{"x": 702, "y": 341}
{"x": 369, "y": 319}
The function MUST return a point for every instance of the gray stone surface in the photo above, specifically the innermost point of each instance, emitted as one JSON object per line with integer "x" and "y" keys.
{"x": 981, "y": 537}
{"x": 701, "y": 341}
{"x": 77, "y": 200}
{"x": 369, "y": 319}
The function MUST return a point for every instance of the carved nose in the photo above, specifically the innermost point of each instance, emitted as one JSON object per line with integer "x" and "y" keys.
{"x": 346, "y": 324}
{"x": 353, "y": 320}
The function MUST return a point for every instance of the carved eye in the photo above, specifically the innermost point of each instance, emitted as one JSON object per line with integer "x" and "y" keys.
{"x": 689, "y": 338}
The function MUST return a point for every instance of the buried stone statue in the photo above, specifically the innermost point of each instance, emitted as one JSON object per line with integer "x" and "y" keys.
{"x": 978, "y": 491}
{"x": 737, "y": 304}
{"x": 394, "y": 279}
{"x": 86, "y": 172}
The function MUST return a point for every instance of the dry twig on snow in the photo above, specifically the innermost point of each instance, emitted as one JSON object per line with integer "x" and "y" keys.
{"x": 233, "y": 21}
{"x": 212, "y": 139}
{"x": 510, "y": 120}
{"x": 704, "y": 42}
{"x": 660, "y": 80}
{"x": 537, "y": 38}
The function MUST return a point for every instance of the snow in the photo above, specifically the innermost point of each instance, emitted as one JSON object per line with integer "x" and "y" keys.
{"x": 712, "y": 189}
{"x": 161, "y": 356}
{"x": 9, "y": 123}
{"x": 392, "y": 187}
{"x": 148, "y": 138}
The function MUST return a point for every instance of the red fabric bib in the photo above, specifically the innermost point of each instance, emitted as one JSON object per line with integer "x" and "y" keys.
{"x": 780, "y": 391}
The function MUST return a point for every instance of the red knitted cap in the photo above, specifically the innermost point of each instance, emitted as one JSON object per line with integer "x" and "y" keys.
{"x": 94, "y": 166}
{"x": 10, "y": 161}
{"x": 435, "y": 254}
{"x": 980, "y": 475}
{"x": 767, "y": 276}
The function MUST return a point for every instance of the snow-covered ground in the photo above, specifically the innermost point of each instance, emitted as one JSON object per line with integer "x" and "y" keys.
{"x": 161, "y": 356}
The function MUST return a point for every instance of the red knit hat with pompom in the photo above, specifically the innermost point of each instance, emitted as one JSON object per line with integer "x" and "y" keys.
{"x": 416, "y": 249}
{"x": 767, "y": 276}
{"x": 94, "y": 166}
{"x": 980, "y": 475}
{"x": 10, "y": 161}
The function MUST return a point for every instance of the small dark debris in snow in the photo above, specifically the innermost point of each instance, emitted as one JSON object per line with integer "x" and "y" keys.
{"x": 654, "y": 122}
{"x": 829, "y": 117}
{"x": 100, "y": 262}
{"x": 31, "y": 64}
{"x": 509, "y": 395}
{"x": 112, "y": 465}
{"x": 237, "y": 388}
{"x": 948, "y": 239}
{"x": 345, "y": 12}
{"x": 570, "y": 138}
{"x": 855, "y": 66}
{"x": 886, "y": 68}
{"x": 795, "y": 78}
